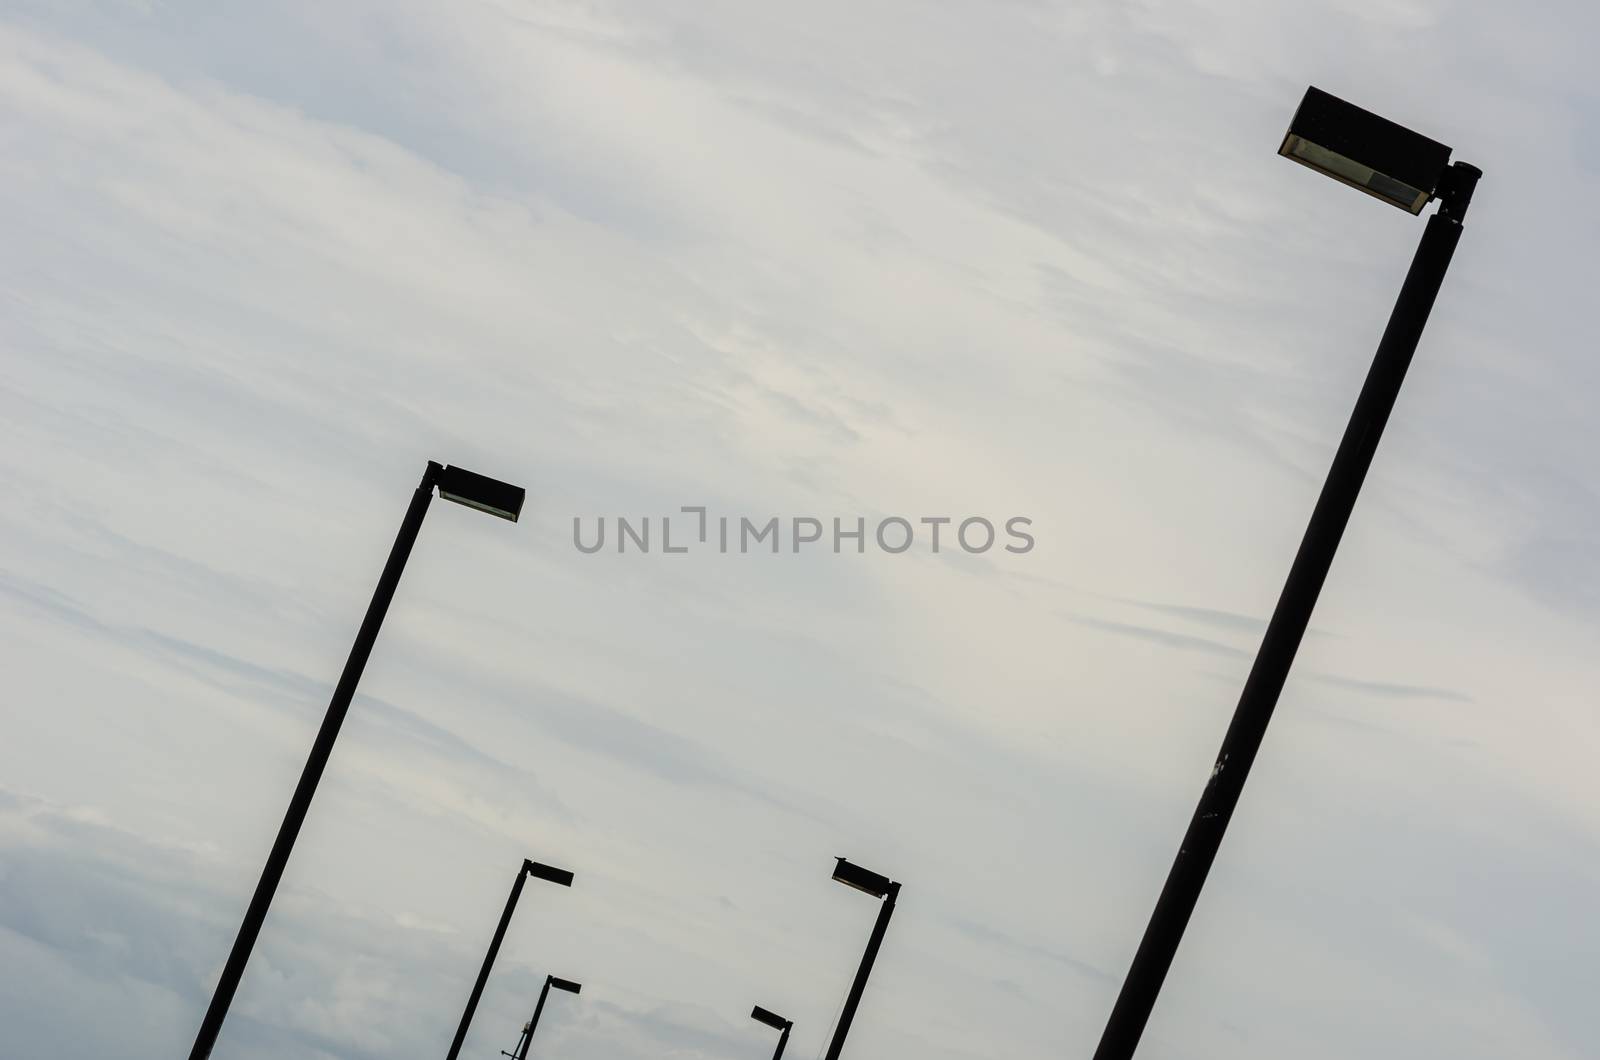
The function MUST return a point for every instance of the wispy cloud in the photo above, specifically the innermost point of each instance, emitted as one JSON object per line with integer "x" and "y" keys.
{"x": 1156, "y": 635}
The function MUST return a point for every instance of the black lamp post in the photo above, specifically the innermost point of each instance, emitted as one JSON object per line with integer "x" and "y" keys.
{"x": 455, "y": 484}
{"x": 872, "y": 883}
{"x": 521, "y": 1051}
{"x": 529, "y": 868}
{"x": 777, "y": 1023}
{"x": 1404, "y": 169}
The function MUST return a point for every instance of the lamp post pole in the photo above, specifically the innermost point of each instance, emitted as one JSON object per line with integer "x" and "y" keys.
{"x": 533, "y": 1024}
{"x": 1289, "y": 620}
{"x": 783, "y": 1041}
{"x": 461, "y": 486}
{"x": 857, "y": 988}
{"x": 267, "y": 886}
{"x": 777, "y": 1023}
{"x": 488, "y": 963}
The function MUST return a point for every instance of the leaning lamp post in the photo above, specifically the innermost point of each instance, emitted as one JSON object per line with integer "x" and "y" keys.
{"x": 523, "y": 1043}
{"x": 559, "y": 877}
{"x": 777, "y": 1023}
{"x": 454, "y": 484}
{"x": 879, "y": 886}
{"x": 1405, "y": 169}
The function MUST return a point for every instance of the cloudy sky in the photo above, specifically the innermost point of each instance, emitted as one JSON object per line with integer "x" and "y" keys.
{"x": 826, "y": 260}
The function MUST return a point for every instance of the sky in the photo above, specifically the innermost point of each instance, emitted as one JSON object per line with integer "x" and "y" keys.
{"x": 965, "y": 260}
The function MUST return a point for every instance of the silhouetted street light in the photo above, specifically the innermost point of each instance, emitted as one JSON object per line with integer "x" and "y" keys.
{"x": 521, "y": 1051}
{"x": 777, "y": 1023}
{"x": 868, "y": 882}
{"x": 1406, "y": 169}
{"x": 529, "y": 868}
{"x": 456, "y": 484}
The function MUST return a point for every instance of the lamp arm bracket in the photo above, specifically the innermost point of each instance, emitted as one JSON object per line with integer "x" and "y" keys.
{"x": 1455, "y": 190}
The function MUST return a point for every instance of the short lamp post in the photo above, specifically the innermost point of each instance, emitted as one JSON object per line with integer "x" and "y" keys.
{"x": 777, "y": 1023}
{"x": 521, "y": 1051}
{"x": 878, "y": 886}
{"x": 1404, "y": 169}
{"x": 560, "y": 877}
{"x": 454, "y": 484}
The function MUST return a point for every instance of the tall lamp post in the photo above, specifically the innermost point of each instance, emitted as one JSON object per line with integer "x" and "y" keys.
{"x": 454, "y": 484}
{"x": 878, "y": 886}
{"x": 521, "y": 1051}
{"x": 777, "y": 1023}
{"x": 1405, "y": 169}
{"x": 560, "y": 877}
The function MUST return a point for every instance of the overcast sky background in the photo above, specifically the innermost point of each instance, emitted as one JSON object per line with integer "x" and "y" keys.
{"x": 261, "y": 262}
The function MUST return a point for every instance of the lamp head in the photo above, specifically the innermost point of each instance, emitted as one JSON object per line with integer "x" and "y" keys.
{"x": 1369, "y": 153}
{"x": 861, "y": 879}
{"x": 546, "y": 872}
{"x": 565, "y": 984}
{"x": 481, "y": 492}
{"x": 770, "y": 1018}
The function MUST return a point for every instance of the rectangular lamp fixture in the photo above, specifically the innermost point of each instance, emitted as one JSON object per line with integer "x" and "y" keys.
{"x": 545, "y": 872}
{"x": 481, "y": 492}
{"x": 861, "y": 879}
{"x": 1369, "y": 153}
{"x": 771, "y": 1019}
{"x": 565, "y": 984}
